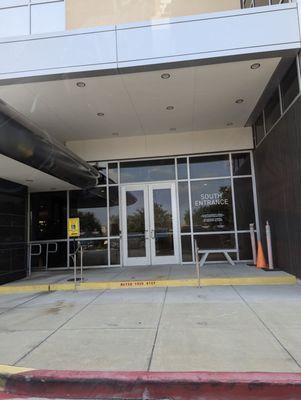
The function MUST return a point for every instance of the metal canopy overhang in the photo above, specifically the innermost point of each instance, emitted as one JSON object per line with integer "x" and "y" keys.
{"x": 235, "y": 35}
{"x": 24, "y": 142}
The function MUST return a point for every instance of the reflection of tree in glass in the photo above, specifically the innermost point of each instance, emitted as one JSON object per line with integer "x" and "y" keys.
{"x": 88, "y": 222}
{"x": 163, "y": 218}
{"x": 135, "y": 221}
{"x": 224, "y": 209}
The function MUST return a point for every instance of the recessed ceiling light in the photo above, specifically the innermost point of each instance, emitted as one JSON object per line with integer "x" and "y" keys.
{"x": 239, "y": 101}
{"x": 165, "y": 76}
{"x": 52, "y": 188}
{"x": 115, "y": 134}
{"x": 255, "y": 66}
{"x": 169, "y": 108}
{"x": 100, "y": 114}
{"x": 172, "y": 129}
{"x": 80, "y": 84}
{"x": 29, "y": 180}
{"x": 230, "y": 124}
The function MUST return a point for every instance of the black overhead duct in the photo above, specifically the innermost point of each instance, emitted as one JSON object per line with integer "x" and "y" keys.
{"x": 28, "y": 144}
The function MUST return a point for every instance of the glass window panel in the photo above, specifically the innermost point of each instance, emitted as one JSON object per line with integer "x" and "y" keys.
{"x": 147, "y": 171}
{"x": 184, "y": 206}
{"x": 245, "y": 247}
{"x": 259, "y": 129}
{"x": 91, "y": 207}
{"x": 186, "y": 249}
{"x": 272, "y": 111}
{"x": 95, "y": 253}
{"x": 115, "y": 251}
{"x": 164, "y": 240}
{"x": 113, "y": 173}
{"x": 135, "y": 223}
{"x": 244, "y": 203}
{"x": 259, "y": 3}
{"x": 216, "y": 242}
{"x": 212, "y": 205}
{"x": 48, "y": 17}
{"x": 241, "y": 164}
{"x": 182, "y": 168}
{"x": 209, "y": 166}
{"x": 102, "y": 169}
{"x": 48, "y": 215}
{"x": 290, "y": 86}
{"x": 114, "y": 210}
{"x": 14, "y": 21}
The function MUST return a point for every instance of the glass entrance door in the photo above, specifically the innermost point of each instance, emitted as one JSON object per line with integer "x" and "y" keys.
{"x": 149, "y": 224}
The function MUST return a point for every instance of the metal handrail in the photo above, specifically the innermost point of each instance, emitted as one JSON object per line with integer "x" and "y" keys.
{"x": 79, "y": 249}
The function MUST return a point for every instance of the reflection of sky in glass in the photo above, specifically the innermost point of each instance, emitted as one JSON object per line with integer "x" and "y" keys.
{"x": 143, "y": 171}
{"x": 209, "y": 166}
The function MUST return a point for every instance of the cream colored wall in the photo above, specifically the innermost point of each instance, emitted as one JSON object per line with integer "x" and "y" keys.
{"x": 164, "y": 144}
{"x": 91, "y": 13}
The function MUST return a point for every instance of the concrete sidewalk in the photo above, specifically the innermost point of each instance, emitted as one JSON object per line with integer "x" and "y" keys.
{"x": 249, "y": 328}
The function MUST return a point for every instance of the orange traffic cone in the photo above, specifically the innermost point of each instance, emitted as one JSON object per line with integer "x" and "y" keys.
{"x": 261, "y": 262}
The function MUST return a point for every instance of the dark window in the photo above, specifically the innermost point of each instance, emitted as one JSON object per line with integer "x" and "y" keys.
{"x": 272, "y": 111}
{"x": 241, "y": 164}
{"x": 186, "y": 248}
{"x": 259, "y": 129}
{"x": 245, "y": 248}
{"x": 48, "y": 215}
{"x": 184, "y": 207}
{"x": 212, "y": 205}
{"x": 147, "y": 171}
{"x": 244, "y": 203}
{"x": 259, "y": 3}
{"x": 95, "y": 252}
{"x": 182, "y": 168}
{"x": 115, "y": 251}
{"x": 114, "y": 210}
{"x": 209, "y": 166}
{"x": 290, "y": 86}
{"x": 91, "y": 207}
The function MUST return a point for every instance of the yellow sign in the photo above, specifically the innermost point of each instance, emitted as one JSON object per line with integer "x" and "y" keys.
{"x": 73, "y": 227}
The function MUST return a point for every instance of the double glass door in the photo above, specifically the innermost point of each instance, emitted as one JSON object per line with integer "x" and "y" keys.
{"x": 149, "y": 228}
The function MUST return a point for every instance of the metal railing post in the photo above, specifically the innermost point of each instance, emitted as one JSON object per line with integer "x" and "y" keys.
{"x": 81, "y": 263}
{"x": 269, "y": 245}
{"x": 74, "y": 262}
{"x": 197, "y": 263}
{"x": 253, "y": 243}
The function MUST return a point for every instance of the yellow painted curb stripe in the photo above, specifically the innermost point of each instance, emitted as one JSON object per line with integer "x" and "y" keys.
{"x": 239, "y": 281}
{"x": 6, "y": 371}
{"x": 23, "y": 289}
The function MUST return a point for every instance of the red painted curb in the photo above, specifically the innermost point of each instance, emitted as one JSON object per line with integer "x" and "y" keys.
{"x": 155, "y": 385}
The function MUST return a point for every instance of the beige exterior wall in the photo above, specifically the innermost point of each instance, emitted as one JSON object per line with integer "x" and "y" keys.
{"x": 161, "y": 145}
{"x": 91, "y": 13}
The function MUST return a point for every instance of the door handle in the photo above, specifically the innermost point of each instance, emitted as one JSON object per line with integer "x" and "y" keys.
{"x": 153, "y": 234}
{"x": 146, "y": 234}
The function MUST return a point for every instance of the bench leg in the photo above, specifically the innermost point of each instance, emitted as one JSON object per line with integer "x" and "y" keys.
{"x": 229, "y": 258}
{"x": 203, "y": 259}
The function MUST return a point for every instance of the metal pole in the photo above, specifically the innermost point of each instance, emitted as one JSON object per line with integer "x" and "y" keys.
{"x": 269, "y": 245}
{"x": 253, "y": 243}
{"x": 81, "y": 263}
{"x": 197, "y": 263}
{"x": 74, "y": 262}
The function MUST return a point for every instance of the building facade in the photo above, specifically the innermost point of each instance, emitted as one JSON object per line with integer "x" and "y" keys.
{"x": 161, "y": 124}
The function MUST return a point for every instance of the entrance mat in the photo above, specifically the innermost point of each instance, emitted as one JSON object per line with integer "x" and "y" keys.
{"x": 229, "y": 281}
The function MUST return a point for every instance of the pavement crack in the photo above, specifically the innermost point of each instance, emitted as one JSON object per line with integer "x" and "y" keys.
{"x": 266, "y": 327}
{"x": 58, "y": 328}
{"x": 157, "y": 330}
